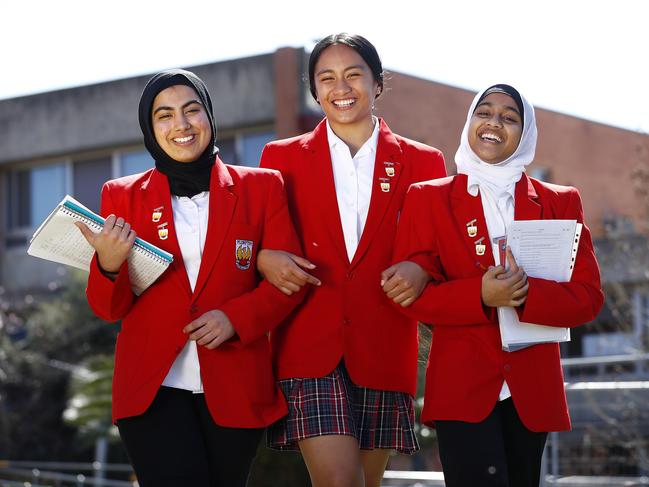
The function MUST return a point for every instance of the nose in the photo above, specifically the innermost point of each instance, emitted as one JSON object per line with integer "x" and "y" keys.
{"x": 495, "y": 120}
{"x": 341, "y": 85}
{"x": 181, "y": 122}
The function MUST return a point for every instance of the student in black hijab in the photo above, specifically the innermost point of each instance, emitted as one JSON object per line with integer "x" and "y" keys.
{"x": 185, "y": 178}
{"x": 193, "y": 387}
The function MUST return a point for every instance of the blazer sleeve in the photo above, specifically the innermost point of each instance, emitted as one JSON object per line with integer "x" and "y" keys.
{"x": 434, "y": 166}
{"x": 443, "y": 301}
{"x": 431, "y": 166}
{"x": 271, "y": 158}
{"x": 567, "y": 303}
{"x": 110, "y": 300}
{"x": 255, "y": 313}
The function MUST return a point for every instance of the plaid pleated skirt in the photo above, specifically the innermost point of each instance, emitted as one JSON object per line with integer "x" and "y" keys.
{"x": 334, "y": 405}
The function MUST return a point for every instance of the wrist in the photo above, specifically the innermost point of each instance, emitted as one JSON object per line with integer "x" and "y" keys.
{"x": 111, "y": 274}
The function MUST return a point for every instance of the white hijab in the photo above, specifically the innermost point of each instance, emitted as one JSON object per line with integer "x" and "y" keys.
{"x": 500, "y": 179}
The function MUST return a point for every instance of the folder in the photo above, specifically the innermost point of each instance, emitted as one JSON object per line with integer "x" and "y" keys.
{"x": 58, "y": 239}
{"x": 546, "y": 249}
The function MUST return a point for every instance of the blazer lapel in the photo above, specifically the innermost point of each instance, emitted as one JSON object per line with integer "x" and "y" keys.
{"x": 471, "y": 223}
{"x": 387, "y": 171}
{"x": 223, "y": 202}
{"x": 158, "y": 227}
{"x": 526, "y": 200}
{"x": 323, "y": 191}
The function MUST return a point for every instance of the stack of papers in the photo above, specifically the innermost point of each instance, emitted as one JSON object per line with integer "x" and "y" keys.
{"x": 546, "y": 249}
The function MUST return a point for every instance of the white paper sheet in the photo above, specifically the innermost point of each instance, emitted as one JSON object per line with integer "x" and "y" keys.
{"x": 545, "y": 249}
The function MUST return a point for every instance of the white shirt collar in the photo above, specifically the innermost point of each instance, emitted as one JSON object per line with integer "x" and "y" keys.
{"x": 370, "y": 144}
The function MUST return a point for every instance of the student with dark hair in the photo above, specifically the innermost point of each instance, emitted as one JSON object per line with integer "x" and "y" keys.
{"x": 193, "y": 387}
{"x": 492, "y": 408}
{"x": 346, "y": 360}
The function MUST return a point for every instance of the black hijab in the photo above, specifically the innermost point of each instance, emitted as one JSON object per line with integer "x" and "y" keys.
{"x": 185, "y": 178}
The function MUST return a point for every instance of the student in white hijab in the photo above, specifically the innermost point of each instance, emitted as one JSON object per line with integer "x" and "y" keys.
{"x": 492, "y": 409}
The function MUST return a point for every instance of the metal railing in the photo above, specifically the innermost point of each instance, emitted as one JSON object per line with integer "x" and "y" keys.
{"x": 33, "y": 473}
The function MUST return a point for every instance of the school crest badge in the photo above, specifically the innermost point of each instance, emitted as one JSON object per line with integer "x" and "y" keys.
{"x": 243, "y": 254}
{"x": 163, "y": 231}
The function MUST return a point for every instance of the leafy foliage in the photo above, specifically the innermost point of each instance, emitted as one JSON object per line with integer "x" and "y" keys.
{"x": 41, "y": 350}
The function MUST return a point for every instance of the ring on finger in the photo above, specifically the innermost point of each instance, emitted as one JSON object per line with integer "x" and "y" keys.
{"x": 120, "y": 225}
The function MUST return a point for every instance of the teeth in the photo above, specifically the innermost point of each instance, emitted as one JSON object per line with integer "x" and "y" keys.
{"x": 184, "y": 139}
{"x": 343, "y": 103}
{"x": 490, "y": 136}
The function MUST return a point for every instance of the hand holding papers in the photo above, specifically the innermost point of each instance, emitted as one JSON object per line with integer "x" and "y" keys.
{"x": 59, "y": 240}
{"x": 546, "y": 249}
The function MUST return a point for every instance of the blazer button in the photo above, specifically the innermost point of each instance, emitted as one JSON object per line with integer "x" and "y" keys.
{"x": 178, "y": 350}
{"x": 507, "y": 368}
{"x": 347, "y": 321}
{"x": 350, "y": 276}
{"x": 193, "y": 308}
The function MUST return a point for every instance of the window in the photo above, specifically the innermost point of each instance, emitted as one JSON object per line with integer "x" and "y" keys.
{"x": 227, "y": 151}
{"x": 48, "y": 189}
{"x": 88, "y": 177}
{"x": 33, "y": 193}
{"x": 251, "y": 146}
{"x": 134, "y": 162}
{"x": 244, "y": 148}
{"x": 539, "y": 172}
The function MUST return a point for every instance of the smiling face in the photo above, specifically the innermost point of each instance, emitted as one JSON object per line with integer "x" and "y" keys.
{"x": 345, "y": 86}
{"x": 495, "y": 128}
{"x": 180, "y": 124}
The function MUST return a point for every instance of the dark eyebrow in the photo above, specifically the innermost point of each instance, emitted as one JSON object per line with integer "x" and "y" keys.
{"x": 190, "y": 102}
{"x": 509, "y": 107}
{"x": 327, "y": 70}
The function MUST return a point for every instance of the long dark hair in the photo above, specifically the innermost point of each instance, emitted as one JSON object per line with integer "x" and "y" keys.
{"x": 358, "y": 43}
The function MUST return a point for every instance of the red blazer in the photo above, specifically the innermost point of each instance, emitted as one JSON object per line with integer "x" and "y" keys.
{"x": 349, "y": 315}
{"x": 467, "y": 366}
{"x": 245, "y": 204}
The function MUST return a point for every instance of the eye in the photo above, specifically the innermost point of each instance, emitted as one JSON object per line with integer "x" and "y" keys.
{"x": 326, "y": 78}
{"x": 164, "y": 116}
{"x": 481, "y": 113}
{"x": 353, "y": 74}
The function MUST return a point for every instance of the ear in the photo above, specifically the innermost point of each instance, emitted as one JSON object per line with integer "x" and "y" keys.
{"x": 379, "y": 90}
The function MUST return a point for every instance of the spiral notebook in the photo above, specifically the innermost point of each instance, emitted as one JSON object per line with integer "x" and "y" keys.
{"x": 57, "y": 239}
{"x": 546, "y": 249}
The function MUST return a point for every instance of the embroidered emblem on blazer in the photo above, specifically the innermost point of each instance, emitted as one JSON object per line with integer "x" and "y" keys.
{"x": 243, "y": 254}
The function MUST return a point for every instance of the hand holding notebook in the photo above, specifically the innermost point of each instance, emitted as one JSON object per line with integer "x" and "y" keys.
{"x": 59, "y": 240}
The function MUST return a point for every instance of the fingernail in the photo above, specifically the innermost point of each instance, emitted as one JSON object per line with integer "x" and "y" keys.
{"x": 382, "y": 282}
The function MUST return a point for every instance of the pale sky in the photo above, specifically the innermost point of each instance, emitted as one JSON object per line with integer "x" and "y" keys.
{"x": 584, "y": 58}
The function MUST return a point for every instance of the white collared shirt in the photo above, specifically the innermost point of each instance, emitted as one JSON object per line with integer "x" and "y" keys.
{"x": 190, "y": 219}
{"x": 353, "y": 180}
{"x": 499, "y": 214}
